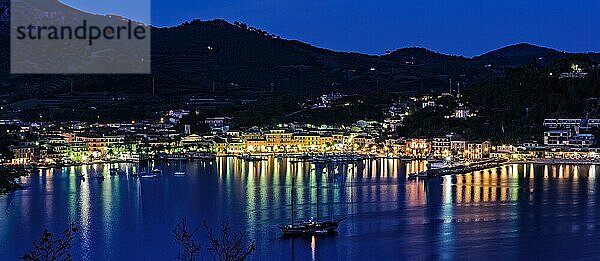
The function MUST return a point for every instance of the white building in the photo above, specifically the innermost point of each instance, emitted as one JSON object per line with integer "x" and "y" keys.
{"x": 568, "y": 138}
{"x": 571, "y": 123}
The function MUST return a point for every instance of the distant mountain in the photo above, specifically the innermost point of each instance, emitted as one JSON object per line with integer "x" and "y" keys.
{"x": 519, "y": 55}
{"x": 433, "y": 61}
{"x": 520, "y": 50}
{"x": 239, "y": 59}
{"x": 420, "y": 55}
{"x": 217, "y": 58}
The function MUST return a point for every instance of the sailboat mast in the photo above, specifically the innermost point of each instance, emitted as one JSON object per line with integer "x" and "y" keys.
{"x": 292, "y": 197}
{"x": 317, "y": 179}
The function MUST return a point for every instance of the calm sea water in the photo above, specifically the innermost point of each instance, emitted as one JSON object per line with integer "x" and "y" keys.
{"x": 516, "y": 212}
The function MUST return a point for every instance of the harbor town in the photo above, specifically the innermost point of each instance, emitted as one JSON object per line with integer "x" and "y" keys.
{"x": 42, "y": 144}
{"x": 456, "y": 125}
{"x": 299, "y": 130}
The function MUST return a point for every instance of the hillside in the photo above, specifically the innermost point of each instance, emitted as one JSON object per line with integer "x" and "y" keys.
{"x": 199, "y": 54}
{"x": 235, "y": 61}
{"x": 516, "y": 55}
{"x": 217, "y": 58}
{"x": 434, "y": 62}
{"x": 519, "y": 55}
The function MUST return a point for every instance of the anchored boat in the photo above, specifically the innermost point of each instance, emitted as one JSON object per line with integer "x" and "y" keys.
{"x": 311, "y": 226}
{"x": 249, "y": 157}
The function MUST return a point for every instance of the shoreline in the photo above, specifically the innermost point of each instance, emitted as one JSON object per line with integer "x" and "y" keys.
{"x": 42, "y": 167}
{"x": 28, "y": 168}
{"x": 9, "y": 185}
{"x": 8, "y": 180}
{"x": 556, "y": 162}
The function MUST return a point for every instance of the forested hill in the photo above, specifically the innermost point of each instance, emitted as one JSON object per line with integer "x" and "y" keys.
{"x": 236, "y": 61}
{"x": 220, "y": 58}
{"x": 512, "y": 107}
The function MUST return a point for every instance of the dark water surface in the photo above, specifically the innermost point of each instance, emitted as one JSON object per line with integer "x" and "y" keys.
{"x": 516, "y": 212}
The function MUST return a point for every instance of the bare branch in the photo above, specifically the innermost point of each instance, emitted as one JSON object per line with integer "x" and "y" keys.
{"x": 51, "y": 248}
{"x": 184, "y": 237}
{"x": 229, "y": 246}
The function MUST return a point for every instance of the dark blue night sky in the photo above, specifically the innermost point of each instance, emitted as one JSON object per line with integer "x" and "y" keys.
{"x": 463, "y": 27}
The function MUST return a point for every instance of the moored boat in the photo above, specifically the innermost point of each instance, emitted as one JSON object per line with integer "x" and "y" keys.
{"x": 301, "y": 158}
{"x": 203, "y": 156}
{"x": 250, "y": 158}
{"x": 147, "y": 175}
{"x": 311, "y": 226}
{"x": 422, "y": 174}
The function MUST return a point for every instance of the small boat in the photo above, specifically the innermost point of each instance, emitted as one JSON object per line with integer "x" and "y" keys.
{"x": 433, "y": 163}
{"x": 148, "y": 175}
{"x": 203, "y": 156}
{"x": 422, "y": 174}
{"x": 298, "y": 161}
{"x": 302, "y": 158}
{"x": 176, "y": 157}
{"x": 179, "y": 173}
{"x": 250, "y": 158}
{"x": 157, "y": 171}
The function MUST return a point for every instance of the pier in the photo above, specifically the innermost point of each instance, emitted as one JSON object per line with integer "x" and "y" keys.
{"x": 559, "y": 161}
{"x": 458, "y": 169}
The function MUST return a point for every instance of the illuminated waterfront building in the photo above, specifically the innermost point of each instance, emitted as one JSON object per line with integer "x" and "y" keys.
{"x": 441, "y": 147}
{"x": 22, "y": 155}
{"x": 477, "y": 150}
{"x": 418, "y": 147}
{"x": 568, "y": 138}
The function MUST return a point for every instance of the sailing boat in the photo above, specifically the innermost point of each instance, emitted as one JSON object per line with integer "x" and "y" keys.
{"x": 179, "y": 172}
{"x": 311, "y": 226}
{"x": 147, "y": 173}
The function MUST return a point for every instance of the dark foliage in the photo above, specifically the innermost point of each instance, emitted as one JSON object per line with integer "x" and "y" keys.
{"x": 7, "y": 138}
{"x": 52, "y": 248}
{"x": 7, "y": 178}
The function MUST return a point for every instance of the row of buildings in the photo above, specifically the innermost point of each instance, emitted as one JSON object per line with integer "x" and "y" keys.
{"x": 79, "y": 142}
{"x": 130, "y": 141}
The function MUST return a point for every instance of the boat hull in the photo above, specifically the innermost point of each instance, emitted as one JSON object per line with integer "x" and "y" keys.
{"x": 310, "y": 228}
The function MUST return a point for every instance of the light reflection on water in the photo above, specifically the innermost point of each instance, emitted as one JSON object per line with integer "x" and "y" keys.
{"x": 508, "y": 212}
